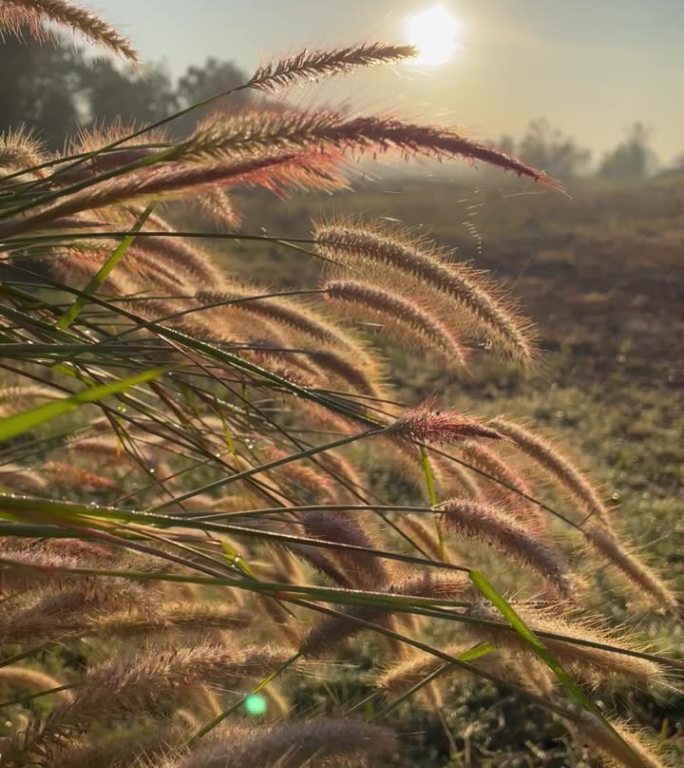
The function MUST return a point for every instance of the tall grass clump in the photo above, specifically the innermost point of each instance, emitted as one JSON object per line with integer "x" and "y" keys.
{"x": 189, "y": 506}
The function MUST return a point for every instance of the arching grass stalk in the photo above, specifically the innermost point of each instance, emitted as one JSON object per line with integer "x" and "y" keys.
{"x": 423, "y": 606}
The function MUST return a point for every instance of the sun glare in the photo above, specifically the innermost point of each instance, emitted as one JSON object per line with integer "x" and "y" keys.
{"x": 436, "y": 33}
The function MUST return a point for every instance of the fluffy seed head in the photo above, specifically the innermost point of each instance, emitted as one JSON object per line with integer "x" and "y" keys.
{"x": 279, "y": 173}
{"x": 623, "y": 747}
{"x": 23, "y": 678}
{"x": 32, "y": 14}
{"x": 326, "y": 742}
{"x": 485, "y": 458}
{"x": 555, "y": 464}
{"x": 312, "y": 65}
{"x": 354, "y": 246}
{"x": 398, "y": 314}
{"x": 424, "y": 425}
{"x": 405, "y": 673}
{"x": 488, "y": 524}
{"x": 146, "y": 680}
{"x": 644, "y": 579}
{"x": 292, "y": 130}
{"x": 594, "y": 666}
{"x": 19, "y": 149}
{"x": 361, "y": 569}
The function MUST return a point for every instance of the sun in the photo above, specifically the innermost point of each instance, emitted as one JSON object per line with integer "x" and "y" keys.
{"x": 435, "y": 32}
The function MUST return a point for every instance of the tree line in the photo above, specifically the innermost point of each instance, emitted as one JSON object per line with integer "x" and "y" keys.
{"x": 56, "y": 90}
{"x": 561, "y": 156}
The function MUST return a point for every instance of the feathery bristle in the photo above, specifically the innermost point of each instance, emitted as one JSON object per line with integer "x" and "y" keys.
{"x": 423, "y": 534}
{"x": 62, "y": 613}
{"x": 19, "y": 149}
{"x": 398, "y": 314}
{"x": 491, "y": 525}
{"x": 104, "y": 446}
{"x": 22, "y": 478}
{"x": 92, "y": 138}
{"x": 354, "y": 246}
{"x": 361, "y": 569}
{"x": 180, "y": 257}
{"x": 41, "y": 558}
{"x": 312, "y": 65}
{"x": 343, "y": 468}
{"x": 132, "y": 749}
{"x": 169, "y": 616}
{"x": 23, "y": 677}
{"x": 78, "y": 267}
{"x": 278, "y": 173}
{"x": 646, "y": 581}
{"x": 329, "y": 631}
{"x": 425, "y": 425}
{"x": 619, "y": 746}
{"x": 150, "y": 678}
{"x": 280, "y": 310}
{"x": 449, "y": 586}
{"x": 301, "y": 130}
{"x": 16, "y": 14}
{"x": 454, "y": 479}
{"x": 308, "y": 482}
{"x": 556, "y": 465}
{"x": 16, "y": 398}
{"x": 348, "y": 368}
{"x": 594, "y": 666}
{"x": 484, "y": 458}
{"x": 219, "y": 208}
{"x": 325, "y": 742}
{"x": 405, "y": 673}
{"x": 320, "y": 562}
{"x": 70, "y": 476}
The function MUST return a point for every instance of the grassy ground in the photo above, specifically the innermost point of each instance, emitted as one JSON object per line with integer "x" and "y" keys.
{"x": 602, "y": 274}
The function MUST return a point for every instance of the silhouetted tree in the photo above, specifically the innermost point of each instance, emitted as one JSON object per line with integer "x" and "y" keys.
{"x": 546, "y": 147}
{"x": 54, "y": 89}
{"x": 199, "y": 83}
{"x": 632, "y": 160}
{"x": 140, "y": 96}
{"x": 40, "y": 87}
{"x": 506, "y": 144}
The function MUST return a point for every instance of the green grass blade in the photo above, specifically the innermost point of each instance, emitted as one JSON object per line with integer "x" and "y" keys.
{"x": 429, "y": 477}
{"x": 17, "y": 424}
{"x": 101, "y": 275}
{"x": 576, "y": 694}
{"x": 487, "y": 589}
{"x": 432, "y": 495}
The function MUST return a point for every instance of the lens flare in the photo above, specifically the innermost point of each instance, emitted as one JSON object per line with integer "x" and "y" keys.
{"x": 256, "y": 704}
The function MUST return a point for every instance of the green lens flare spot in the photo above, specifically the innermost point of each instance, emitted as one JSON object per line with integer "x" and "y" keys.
{"x": 256, "y": 704}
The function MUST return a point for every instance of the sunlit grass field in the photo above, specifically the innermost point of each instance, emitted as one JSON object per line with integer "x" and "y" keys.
{"x": 383, "y": 477}
{"x": 600, "y": 273}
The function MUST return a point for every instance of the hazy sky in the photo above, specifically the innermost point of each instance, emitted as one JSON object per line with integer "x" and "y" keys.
{"x": 592, "y": 67}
